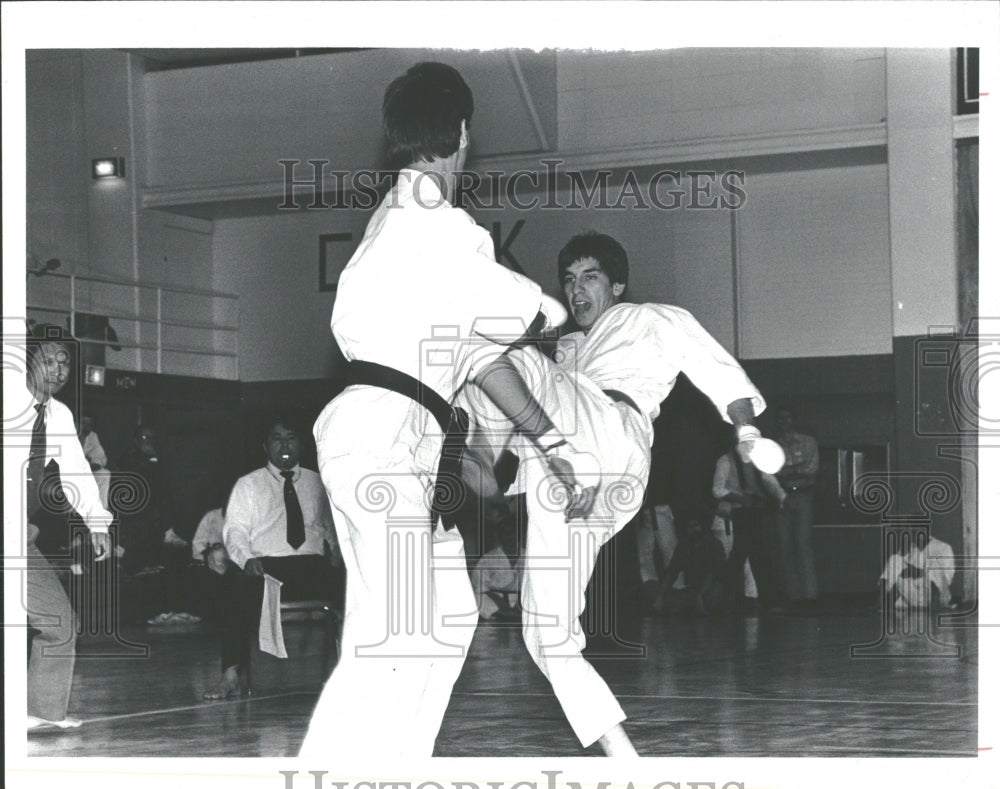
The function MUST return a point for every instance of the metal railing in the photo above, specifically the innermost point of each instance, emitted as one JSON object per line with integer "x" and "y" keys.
{"x": 185, "y": 316}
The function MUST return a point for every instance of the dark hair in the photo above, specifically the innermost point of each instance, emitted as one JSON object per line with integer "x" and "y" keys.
{"x": 287, "y": 419}
{"x": 602, "y": 248}
{"x": 422, "y": 113}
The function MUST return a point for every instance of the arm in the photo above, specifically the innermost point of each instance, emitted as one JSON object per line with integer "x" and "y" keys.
{"x": 94, "y": 452}
{"x": 330, "y": 531}
{"x": 741, "y": 415}
{"x": 505, "y": 387}
{"x": 76, "y": 471}
{"x": 711, "y": 368}
{"x": 203, "y": 535}
{"x": 811, "y": 463}
{"x": 239, "y": 518}
{"x": 501, "y": 381}
{"x": 720, "y": 488}
{"x": 773, "y": 488}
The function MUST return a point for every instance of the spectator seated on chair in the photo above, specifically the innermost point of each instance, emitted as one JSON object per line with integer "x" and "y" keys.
{"x": 277, "y": 521}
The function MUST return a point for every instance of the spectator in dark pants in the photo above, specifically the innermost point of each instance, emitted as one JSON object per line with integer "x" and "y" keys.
{"x": 744, "y": 494}
{"x": 277, "y": 521}
{"x": 794, "y": 520}
{"x": 702, "y": 559}
{"x": 146, "y": 533}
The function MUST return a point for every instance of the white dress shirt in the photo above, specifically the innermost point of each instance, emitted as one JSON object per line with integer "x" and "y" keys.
{"x": 62, "y": 444}
{"x": 93, "y": 450}
{"x": 256, "y": 523}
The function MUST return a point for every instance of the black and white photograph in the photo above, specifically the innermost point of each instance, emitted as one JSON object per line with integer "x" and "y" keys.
{"x": 446, "y": 394}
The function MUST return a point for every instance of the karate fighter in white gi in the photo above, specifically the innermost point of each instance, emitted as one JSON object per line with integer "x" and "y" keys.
{"x": 602, "y": 392}
{"x": 411, "y": 316}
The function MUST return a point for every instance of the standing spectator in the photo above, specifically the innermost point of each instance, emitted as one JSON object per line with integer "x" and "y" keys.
{"x": 55, "y": 454}
{"x": 743, "y": 493}
{"x": 152, "y": 547}
{"x": 794, "y": 519}
{"x": 145, "y": 533}
{"x": 687, "y": 438}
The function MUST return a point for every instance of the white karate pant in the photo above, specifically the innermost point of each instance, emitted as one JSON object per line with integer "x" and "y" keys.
{"x": 410, "y": 612}
{"x": 560, "y": 556}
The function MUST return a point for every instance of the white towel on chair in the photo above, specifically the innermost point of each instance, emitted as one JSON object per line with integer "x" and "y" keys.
{"x": 272, "y": 640}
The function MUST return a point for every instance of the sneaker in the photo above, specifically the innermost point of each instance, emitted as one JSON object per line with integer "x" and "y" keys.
{"x": 161, "y": 619}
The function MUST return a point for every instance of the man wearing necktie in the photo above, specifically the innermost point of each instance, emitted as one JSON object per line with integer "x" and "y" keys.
{"x": 55, "y": 455}
{"x": 277, "y": 521}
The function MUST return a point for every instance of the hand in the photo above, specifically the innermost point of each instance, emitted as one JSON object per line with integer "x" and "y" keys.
{"x": 580, "y": 500}
{"x": 253, "y": 568}
{"x": 101, "y": 542}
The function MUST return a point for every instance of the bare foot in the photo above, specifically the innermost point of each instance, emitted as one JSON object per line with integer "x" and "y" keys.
{"x": 229, "y": 685}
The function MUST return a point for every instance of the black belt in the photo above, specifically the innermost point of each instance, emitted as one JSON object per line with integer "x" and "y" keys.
{"x": 621, "y": 397}
{"x": 449, "y": 491}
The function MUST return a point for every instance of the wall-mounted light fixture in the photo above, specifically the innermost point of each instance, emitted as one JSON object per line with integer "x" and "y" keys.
{"x": 94, "y": 375}
{"x": 108, "y": 168}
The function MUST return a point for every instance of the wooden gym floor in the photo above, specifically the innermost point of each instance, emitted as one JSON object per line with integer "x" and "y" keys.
{"x": 716, "y": 686}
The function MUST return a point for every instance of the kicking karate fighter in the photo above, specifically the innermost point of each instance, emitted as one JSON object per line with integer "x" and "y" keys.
{"x": 603, "y": 393}
{"x": 410, "y": 315}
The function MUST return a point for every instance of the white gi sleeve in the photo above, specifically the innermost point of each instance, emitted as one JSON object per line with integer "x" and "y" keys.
{"x": 500, "y": 304}
{"x": 702, "y": 359}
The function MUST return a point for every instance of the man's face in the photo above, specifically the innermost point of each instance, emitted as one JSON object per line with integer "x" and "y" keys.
{"x": 784, "y": 421}
{"x": 282, "y": 447}
{"x": 589, "y": 291}
{"x": 49, "y": 369}
{"x": 86, "y": 426}
{"x": 146, "y": 442}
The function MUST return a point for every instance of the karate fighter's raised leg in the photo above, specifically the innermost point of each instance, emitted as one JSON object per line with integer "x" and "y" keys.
{"x": 560, "y": 554}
